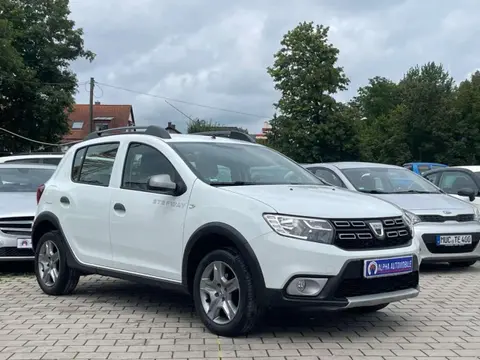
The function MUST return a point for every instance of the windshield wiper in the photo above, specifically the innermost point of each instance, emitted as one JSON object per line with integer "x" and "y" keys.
{"x": 373, "y": 191}
{"x": 234, "y": 183}
{"x": 416, "y": 192}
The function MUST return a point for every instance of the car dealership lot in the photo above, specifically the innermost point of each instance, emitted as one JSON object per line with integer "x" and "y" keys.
{"x": 113, "y": 319}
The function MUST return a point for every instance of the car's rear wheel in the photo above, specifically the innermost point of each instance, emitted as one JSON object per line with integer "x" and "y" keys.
{"x": 53, "y": 274}
{"x": 224, "y": 294}
{"x": 462, "y": 264}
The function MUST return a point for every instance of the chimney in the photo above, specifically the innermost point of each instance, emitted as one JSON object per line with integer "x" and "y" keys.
{"x": 97, "y": 102}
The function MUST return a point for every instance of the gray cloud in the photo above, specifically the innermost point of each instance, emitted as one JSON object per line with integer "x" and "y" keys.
{"x": 216, "y": 53}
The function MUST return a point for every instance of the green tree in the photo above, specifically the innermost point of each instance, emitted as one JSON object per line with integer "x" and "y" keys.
{"x": 311, "y": 126}
{"x": 378, "y": 98}
{"x": 428, "y": 94}
{"x": 199, "y": 125}
{"x": 37, "y": 87}
{"x": 465, "y": 147}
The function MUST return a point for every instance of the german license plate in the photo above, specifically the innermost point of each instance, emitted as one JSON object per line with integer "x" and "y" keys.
{"x": 24, "y": 243}
{"x": 387, "y": 267}
{"x": 453, "y": 240}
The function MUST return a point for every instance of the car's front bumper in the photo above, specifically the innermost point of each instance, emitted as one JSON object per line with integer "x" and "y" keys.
{"x": 9, "y": 250}
{"x": 283, "y": 260}
{"x": 430, "y": 252}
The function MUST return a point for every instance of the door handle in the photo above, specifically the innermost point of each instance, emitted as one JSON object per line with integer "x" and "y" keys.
{"x": 64, "y": 200}
{"x": 119, "y": 207}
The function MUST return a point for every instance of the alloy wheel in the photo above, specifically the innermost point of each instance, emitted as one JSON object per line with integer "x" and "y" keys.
{"x": 220, "y": 292}
{"x": 49, "y": 263}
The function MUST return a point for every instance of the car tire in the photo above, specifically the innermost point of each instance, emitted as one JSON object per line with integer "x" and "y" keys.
{"x": 368, "y": 309}
{"x": 50, "y": 254}
{"x": 205, "y": 287}
{"x": 462, "y": 264}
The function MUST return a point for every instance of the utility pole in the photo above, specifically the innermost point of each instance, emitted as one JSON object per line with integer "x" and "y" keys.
{"x": 92, "y": 88}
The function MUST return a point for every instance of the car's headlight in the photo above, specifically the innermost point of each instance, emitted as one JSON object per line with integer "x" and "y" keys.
{"x": 410, "y": 218}
{"x": 317, "y": 230}
{"x": 476, "y": 214}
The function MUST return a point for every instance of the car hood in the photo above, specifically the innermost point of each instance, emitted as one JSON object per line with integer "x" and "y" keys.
{"x": 425, "y": 203}
{"x": 17, "y": 204}
{"x": 318, "y": 201}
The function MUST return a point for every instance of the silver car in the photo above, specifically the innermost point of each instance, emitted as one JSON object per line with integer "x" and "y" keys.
{"x": 18, "y": 187}
{"x": 447, "y": 228}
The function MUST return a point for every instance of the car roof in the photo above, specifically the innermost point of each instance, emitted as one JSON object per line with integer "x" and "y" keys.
{"x": 27, "y": 166}
{"x": 468, "y": 167}
{"x": 31, "y": 156}
{"x": 357, "y": 164}
{"x": 425, "y": 163}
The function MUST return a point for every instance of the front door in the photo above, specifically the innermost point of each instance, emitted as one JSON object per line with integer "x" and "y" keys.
{"x": 147, "y": 226}
{"x": 453, "y": 181}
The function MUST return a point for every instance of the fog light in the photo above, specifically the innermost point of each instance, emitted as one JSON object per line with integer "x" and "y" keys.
{"x": 306, "y": 286}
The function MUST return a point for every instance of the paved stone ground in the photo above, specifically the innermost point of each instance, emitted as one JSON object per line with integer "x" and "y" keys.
{"x": 112, "y": 319}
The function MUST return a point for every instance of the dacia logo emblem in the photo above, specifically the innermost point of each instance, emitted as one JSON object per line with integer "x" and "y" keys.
{"x": 447, "y": 212}
{"x": 377, "y": 228}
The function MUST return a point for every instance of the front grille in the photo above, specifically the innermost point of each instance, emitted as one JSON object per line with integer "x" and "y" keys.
{"x": 357, "y": 234}
{"x": 430, "y": 241}
{"x": 11, "y": 251}
{"x": 21, "y": 226}
{"x": 441, "y": 218}
{"x": 362, "y": 286}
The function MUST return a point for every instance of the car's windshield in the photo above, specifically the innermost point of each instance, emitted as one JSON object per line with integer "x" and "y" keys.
{"x": 23, "y": 179}
{"x": 378, "y": 180}
{"x": 223, "y": 164}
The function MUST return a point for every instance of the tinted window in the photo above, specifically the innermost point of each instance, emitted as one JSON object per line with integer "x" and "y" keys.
{"x": 24, "y": 161}
{"x": 388, "y": 180}
{"x": 22, "y": 179}
{"x": 327, "y": 175}
{"x": 453, "y": 181}
{"x": 143, "y": 162}
{"x": 77, "y": 163}
{"x": 97, "y": 165}
{"x": 245, "y": 163}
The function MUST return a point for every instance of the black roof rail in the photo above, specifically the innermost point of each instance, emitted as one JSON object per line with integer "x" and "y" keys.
{"x": 231, "y": 134}
{"x": 147, "y": 130}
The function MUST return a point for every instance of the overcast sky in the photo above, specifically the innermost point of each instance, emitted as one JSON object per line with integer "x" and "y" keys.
{"x": 215, "y": 53}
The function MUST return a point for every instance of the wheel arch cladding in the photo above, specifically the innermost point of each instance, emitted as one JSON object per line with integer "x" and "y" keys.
{"x": 43, "y": 224}
{"x": 213, "y": 236}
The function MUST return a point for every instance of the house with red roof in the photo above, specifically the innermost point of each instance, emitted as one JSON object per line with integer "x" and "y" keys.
{"x": 104, "y": 117}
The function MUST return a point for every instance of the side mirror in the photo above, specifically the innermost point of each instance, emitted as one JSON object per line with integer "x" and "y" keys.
{"x": 162, "y": 183}
{"x": 467, "y": 192}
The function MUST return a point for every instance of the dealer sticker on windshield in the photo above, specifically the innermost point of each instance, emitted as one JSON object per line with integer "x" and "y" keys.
{"x": 387, "y": 267}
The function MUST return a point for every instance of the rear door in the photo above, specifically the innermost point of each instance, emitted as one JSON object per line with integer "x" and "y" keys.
{"x": 84, "y": 203}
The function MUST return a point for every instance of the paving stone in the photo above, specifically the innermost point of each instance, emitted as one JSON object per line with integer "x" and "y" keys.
{"x": 112, "y": 319}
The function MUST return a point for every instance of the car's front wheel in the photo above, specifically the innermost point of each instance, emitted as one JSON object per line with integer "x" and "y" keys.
{"x": 53, "y": 274}
{"x": 224, "y": 294}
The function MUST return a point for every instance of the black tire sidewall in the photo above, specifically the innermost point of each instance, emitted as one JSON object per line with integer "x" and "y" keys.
{"x": 236, "y": 326}
{"x": 64, "y": 272}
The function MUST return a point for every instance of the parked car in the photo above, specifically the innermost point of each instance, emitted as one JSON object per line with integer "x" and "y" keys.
{"x": 18, "y": 185}
{"x": 447, "y": 228}
{"x": 462, "y": 182}
{"x": 421, "y": 167}
{"x": 159, "y": 214}
{"x": 33, "y": 158}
